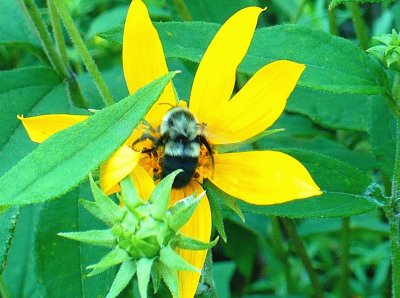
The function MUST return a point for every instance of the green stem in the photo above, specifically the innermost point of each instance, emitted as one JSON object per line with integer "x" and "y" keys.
{"x": 301, "y": 251}
{"x": 299, "y": 12}
{"x": 57, "y": 31}
{"x": 333, "y": 28}
{"x": 359, "y": 24}
{"x": 3, "y": 289}
{"x": 182, "y": 9}
{"x": 85, "y": 55}
{"x": 282, "y": 253}
{"x": 344, "y": 258}
{"x": 39, "y": 26}
{"x": 394, "y": 249}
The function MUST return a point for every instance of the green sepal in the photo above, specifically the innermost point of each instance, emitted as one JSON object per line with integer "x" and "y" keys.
{"x": 112, "y": 211}
{"x": 143, "y": 273}
{"x": 124, "y": 275}
{"x": 155, "y": 278}
{"x": 182, "y": 211}
{"x": 232, "y": 147}
{"x": 95, "y": 210}
{"x": 170, "y": 277}
{"x": 113, "y": 258}
{"x": 161, "y": 195}
{"x": 216, "y": 214}
{"x": 174, "y": 261}
{"x": 231, "y": 202}
{"x": 185, "y": 242}
{"x": 94, "y": 237}
{"x": 130, "y": 195}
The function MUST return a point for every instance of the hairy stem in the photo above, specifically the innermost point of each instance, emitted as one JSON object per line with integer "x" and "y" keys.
{"x": 57, "y": 31}
{"x": 206, "y": 288}
{"x": 333, "y": 28}
{"x": 182, "y": 9}
{"x": 344, "y": 258}
{"x": 39, "y": 26}
{"x": 282, "y": 253}
{"x": 359, "y": 24}
{"x": 302, "y": 253}
{"x": 84, "y": 52}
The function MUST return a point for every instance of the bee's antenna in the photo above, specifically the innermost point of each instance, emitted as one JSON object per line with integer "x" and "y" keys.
{"x": 167, "y": 103}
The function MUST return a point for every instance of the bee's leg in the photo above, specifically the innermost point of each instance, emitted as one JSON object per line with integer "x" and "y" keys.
{"x": 204, "y": 141}
{"x": 157, "y": 143}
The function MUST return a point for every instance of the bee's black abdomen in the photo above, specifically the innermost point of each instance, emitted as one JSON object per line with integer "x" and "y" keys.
{"x": 186, "y": 163}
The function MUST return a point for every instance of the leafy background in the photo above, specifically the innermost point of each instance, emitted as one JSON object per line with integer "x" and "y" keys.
{"x": 337, "y": 123}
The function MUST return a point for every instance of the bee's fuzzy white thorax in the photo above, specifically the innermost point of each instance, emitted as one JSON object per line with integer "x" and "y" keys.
{"x": 179, "y": 122}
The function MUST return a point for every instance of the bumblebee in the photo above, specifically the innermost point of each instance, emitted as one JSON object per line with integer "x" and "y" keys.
{"x": 182, "y": 137}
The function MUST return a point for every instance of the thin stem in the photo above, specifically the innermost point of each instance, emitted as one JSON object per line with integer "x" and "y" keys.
{"x": 333, "y": 28}
{"x": 182, "y": 9}
{"x": 282, "y": 253}
{"x": 57, "y": 31}
{"x": 206, "y": 288}
{"x": 302, "y": 253}
{"x": 85, "y": 55}
{"x": 39, "y": 26}
{"x": 3, "y": 289}
{"x": 299, "y": 12}
{"x": 359, "y": 24}
{"x": 394, "y": 249}
{"x": 344, "y": 258}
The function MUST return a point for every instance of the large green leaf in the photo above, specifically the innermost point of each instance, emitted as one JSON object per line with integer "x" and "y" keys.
{"x": 330, "y": 110}
{"x": 343, "y": 185}
{"x": 382, "y": 136}
{"x": 333, "y": 64}
{"x": 65, "y": 159}
{"x": 57, "y": 260}
{"x": 8, "y": 222}
{"x": 19, "y": 274}
{"x": 14, "y": 27}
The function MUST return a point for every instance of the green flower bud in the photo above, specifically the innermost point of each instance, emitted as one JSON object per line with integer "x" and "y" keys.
{"x": 143, "y": 234}
{"x": 388, "y": 51}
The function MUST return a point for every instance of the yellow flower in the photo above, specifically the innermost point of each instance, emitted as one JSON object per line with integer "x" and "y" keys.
{"x": 257, "y": 177}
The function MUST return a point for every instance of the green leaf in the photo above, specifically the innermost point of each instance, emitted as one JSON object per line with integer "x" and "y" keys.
{"x": 335, "y": 3}
{"x": 348, "y": 112}
{"x": 333, "y": 64}
{"x": 113, "y": 258}
{"x": 19, "y": 274}
{"x": 193, "y": 244}
{"x": 57, "y": 260}
{"x": 8, "y": 222}
{"x": 170, "y": 258}
{"x": 382, "y": 136}
{"x": 161, "y": 194}
{"x": 58, "y": 170}
{"x": 111, "y": 211}
{"x": 124, "y": 276}
{"x": 14, "y": 26}
{"x": 143, "y": 273}
{"x": 343, "y": 196}
{"x": 223, "y": 272}
{"x": 93, "y": 237}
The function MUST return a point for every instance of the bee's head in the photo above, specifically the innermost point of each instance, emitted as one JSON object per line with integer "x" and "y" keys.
{"x": 179, "y": 123}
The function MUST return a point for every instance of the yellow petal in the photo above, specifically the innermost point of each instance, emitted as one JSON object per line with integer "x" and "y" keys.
{"x": 198, "y": 227}
{"x": 143, "y": 59}
{"x": 263, "y": 177}
{"x": 117, "y": 167}
{"x": 39, "y": 128}
{"x": 216, "y": 75}
{"x": 257, "y": 105}
{"x": 143, "y": 182}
